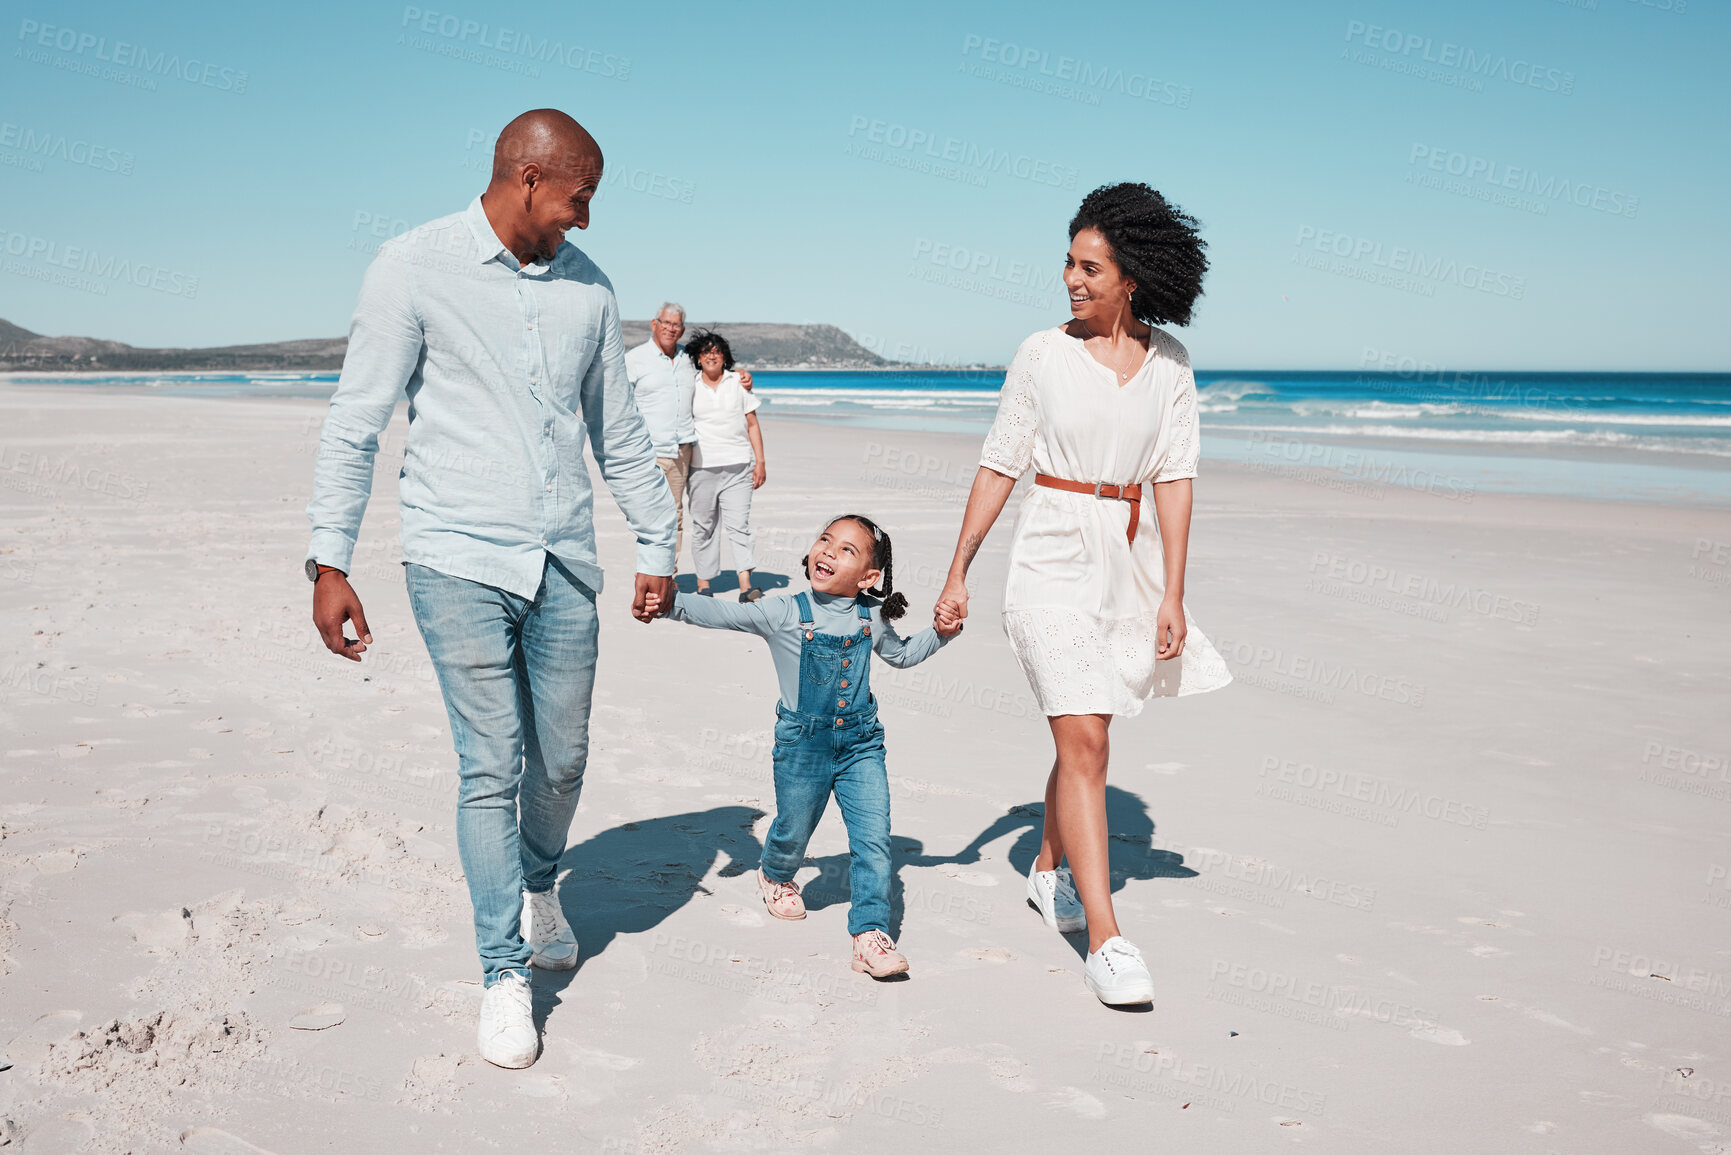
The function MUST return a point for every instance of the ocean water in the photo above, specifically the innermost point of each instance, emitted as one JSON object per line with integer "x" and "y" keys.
{"x": 1631, "y": 436}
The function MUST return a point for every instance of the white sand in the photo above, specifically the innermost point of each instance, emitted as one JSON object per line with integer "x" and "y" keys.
{"x": 231, "y": 916}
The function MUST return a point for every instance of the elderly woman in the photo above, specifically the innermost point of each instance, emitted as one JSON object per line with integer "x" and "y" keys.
{"x": 726, "y": 466}
{"x": 1104, "y": 409}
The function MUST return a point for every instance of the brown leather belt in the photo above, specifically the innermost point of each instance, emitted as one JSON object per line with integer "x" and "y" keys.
{"x": 1129, "y": 493}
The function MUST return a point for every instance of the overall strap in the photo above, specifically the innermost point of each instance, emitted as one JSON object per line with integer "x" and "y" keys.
{"x": 865, "y": 615}
{"x": 806, "y": 621}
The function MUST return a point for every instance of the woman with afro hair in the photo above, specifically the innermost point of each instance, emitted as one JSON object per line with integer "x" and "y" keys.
{"x": 1104, "y": 409}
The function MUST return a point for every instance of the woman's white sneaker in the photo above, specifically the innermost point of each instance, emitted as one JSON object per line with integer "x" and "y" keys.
{"x": 1053, "y": 894}
{"x": 506, "y": 1037}
{"x": 552, "y": 945}
{"x": 1117, "y": 975}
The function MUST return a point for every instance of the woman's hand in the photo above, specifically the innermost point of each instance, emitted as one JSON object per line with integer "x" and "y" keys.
{"x": 946, "y": 623}
{"x": 1169, "y": 628}
{"x": 953, "y": 602}
{"x": 757, "y": 474}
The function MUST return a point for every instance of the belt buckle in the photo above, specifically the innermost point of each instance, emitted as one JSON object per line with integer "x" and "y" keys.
{"x": 1099, "y": 485}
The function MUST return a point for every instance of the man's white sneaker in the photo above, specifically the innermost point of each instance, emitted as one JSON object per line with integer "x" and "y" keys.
{"x": 552, "y": 945}
{"x": 1117, "y": 975}
{"x": 1053, "y": 894}
{"x": 506, "y": 1036}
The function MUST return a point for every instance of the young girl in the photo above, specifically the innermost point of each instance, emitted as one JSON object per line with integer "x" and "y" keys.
{"x": 827, "y": 735}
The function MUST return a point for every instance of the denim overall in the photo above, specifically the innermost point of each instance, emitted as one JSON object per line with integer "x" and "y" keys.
{"x": 833, "y": 742}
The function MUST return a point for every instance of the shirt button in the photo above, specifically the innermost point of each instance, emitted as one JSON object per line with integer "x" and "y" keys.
{"x": 549, "y": 489}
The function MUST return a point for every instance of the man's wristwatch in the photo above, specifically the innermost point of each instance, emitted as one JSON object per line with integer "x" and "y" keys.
{"x": 314, "y": 569}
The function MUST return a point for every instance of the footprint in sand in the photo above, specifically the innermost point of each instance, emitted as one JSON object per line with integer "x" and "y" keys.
{"x": 56, "y": 861}
{"x": 319, "y": 1018}
{"x": 990, "y": 954}
{"x": 31, "y": 1044}
{"x": 540, "y": 1086}
{"x": 1076, "y": 1100}
{"x": 967, "y": 877}
{"x": 211, "y": 1141}
{"x": 739, "y": 916}
{"x": 162, "y": 933}
{"x": 1683, "y": 1127}
{"x": 66, "y": 1133}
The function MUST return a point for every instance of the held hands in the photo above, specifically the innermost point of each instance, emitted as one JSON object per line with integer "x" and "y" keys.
{"x": 952, "y": 605}
{"x": 1169, "y": 629}
{"x": 334, "y": 603}
{"x": 946, "y": 623}
{"x": 653, "y": 597}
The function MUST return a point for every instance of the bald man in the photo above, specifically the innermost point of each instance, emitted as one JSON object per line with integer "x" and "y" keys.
{"x": 505, "y": 340}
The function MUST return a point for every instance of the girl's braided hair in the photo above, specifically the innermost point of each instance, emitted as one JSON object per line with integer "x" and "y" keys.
{"x": 895, "y": 605}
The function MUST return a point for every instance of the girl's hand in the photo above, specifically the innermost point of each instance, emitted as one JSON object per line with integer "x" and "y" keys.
{"x": 1169, "y": 629}
{"x": 758, "y": 475}
{"x": 953, "y": 602}
{"x": 652, "y": 606}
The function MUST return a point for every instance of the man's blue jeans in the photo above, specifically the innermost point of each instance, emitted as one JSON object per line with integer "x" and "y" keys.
{"x": 813, "y": 759}
{"x": 517, "y": 677}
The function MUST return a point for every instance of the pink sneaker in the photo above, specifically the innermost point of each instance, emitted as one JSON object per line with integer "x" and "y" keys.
{"x": 875, "y": 953}
{"x": 781, "y": 898}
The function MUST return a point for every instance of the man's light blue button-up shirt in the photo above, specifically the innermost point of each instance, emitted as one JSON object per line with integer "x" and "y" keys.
{"x": 509, "y": 370}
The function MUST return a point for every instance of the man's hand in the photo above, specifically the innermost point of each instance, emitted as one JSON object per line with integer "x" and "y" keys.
{"x": 654, "y": 597}
{"x": 745, "y": 379}
{"x": 334, "y": 603}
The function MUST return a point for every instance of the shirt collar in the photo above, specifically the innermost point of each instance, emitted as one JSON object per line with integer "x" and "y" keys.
{"x": 487, "y": 242}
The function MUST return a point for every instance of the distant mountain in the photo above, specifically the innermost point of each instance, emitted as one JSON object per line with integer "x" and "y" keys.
{"x": 755, "y": 345}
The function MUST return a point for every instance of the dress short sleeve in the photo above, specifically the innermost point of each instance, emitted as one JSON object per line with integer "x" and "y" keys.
{"x": 1184, "y": 446}
{"x": 1009, "y": 446}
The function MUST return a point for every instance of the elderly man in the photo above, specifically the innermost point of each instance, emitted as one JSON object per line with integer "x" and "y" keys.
{"x": 506, "y": 340}
{"x": 664, "y": 380}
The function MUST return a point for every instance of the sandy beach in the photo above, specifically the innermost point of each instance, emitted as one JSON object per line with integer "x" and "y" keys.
{"x": 1446, "y": 868}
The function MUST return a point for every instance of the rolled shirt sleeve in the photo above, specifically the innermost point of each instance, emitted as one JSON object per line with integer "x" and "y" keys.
{"x": 623, "y": 451}
{"x": 384, "y": 351}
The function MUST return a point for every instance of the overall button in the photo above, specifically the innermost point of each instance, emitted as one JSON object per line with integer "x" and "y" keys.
{"x": 844, "y": 661}
{"x": 838, "y": 721}
{"x": 840, "y": 703}
{"x": 847, "y": 642}
{"x": 844, "y": 683}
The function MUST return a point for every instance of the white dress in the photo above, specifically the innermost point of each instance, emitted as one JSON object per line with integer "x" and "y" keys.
{"x": 1081, "y": 601}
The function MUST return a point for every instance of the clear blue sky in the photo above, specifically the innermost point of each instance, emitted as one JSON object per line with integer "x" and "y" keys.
{"x": 784, "y": 157}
